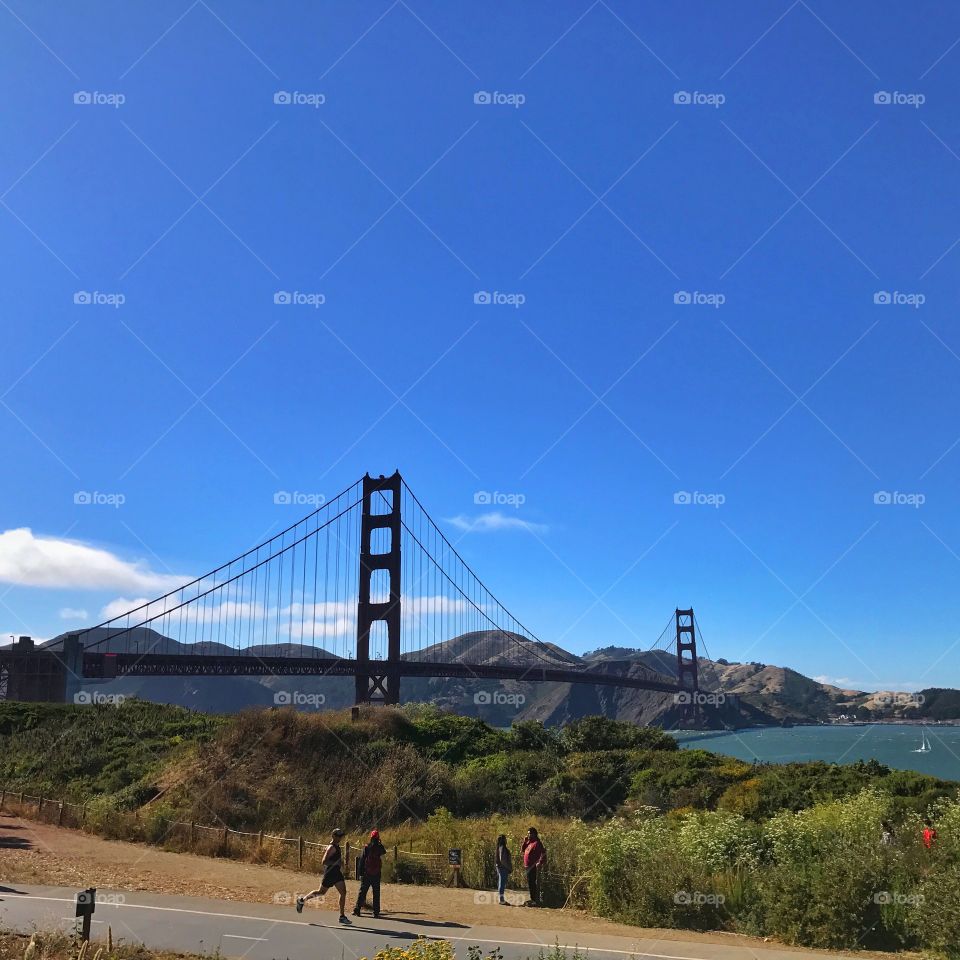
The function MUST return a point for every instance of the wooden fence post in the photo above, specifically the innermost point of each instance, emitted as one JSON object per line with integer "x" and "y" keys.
{"x": 226, "y": 832}
{"x": 3, "y": 796}
{"x": 39, "y": 808}
{"x": 300, "y": 852}
{"x": 260, "y": 840}
{"x": 193, "y": 833}
{"x": 394, "y": 853}
{"x": 60, "y": 815}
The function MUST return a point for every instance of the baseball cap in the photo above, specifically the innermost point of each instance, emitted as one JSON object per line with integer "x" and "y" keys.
{"x": 374, "y": 834}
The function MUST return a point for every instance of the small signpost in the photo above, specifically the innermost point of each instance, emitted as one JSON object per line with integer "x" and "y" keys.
{"x": 86, "y": 902}
{"x": 455, "y": 859}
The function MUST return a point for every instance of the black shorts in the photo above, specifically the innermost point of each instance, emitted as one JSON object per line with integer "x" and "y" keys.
{"x": 331, "y": 878}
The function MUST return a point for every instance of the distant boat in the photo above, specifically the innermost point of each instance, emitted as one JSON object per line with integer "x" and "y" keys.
{"x": 924, "y": 743}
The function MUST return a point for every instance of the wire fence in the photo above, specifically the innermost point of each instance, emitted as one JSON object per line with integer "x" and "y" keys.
{"x": 403, "y": 864}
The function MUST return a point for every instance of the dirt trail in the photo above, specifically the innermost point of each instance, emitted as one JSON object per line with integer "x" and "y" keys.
{"x": 43, "y": 854}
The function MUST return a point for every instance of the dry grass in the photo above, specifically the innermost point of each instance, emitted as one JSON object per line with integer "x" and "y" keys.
{"x": 56, "y": 945}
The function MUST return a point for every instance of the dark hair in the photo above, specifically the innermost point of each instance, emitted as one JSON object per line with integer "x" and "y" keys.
{"x": 502, "y": 840}
{"x": 533, "y": 832}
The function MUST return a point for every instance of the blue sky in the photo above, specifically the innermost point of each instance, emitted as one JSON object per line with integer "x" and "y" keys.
{"x": 777, "y": 201}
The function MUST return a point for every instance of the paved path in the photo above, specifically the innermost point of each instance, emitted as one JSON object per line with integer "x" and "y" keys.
{"x": 266, "y": 932}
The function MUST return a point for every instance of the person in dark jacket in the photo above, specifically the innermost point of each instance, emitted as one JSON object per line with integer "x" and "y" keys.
{"x": 534, "y": 860}
{"x": 371, "y": 863}
{"x": 503, "y": 861}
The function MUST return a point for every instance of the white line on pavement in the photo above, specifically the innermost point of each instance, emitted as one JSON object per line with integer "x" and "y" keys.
{"x": 306, "y": 923}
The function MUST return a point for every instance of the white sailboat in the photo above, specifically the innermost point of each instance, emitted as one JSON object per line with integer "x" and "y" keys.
{"x": 924, "y": 743}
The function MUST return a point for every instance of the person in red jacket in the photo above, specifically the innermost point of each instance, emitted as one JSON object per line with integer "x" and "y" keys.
{"x": 534, "y": 860}
{"x": 371, "y": 863}
{"x": 929, "y": 834}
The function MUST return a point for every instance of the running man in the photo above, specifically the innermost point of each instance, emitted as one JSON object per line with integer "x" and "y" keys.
{"x": 332, "y": 876}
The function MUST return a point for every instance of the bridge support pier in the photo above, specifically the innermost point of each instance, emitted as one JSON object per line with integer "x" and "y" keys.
{"x": 72, "y": 659}
{"x": 31, "y": 674}
{"x": 377, "y": 680}
{"x": 687, "y": 678}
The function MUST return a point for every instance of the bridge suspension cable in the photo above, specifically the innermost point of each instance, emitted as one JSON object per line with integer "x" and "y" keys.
{"x": 456, "y": 603}
{"x": 362, "y": 586}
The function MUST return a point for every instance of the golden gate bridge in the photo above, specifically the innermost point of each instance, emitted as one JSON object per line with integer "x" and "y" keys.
{"x": 368, "y": 586}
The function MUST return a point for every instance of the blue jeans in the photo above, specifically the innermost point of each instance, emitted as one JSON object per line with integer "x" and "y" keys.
{"x": 502, "y": 874}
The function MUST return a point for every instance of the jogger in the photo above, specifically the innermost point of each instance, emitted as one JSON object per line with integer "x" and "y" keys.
{"x": 332, "y": 876}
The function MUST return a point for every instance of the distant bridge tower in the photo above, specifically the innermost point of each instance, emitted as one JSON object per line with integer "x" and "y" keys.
{"x": 378, "y": 681}
{"x": 687, "y": 678}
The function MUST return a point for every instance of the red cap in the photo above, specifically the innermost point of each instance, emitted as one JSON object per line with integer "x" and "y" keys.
{"x": 374, "y": 834}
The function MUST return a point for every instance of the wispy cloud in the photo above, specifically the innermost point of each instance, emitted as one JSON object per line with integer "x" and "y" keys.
{"x": 29, "y": 560}
{"x": 491, "y": 522}
{"x": 72, "y": 613}
{"x": 894, "y": 686}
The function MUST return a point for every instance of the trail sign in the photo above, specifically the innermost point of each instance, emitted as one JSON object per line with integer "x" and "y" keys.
{"x": 86, "y": 903}
{"x": 455, "y": 859}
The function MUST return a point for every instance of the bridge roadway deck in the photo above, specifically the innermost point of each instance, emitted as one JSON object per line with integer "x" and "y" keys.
{"x": 99, "y": 666}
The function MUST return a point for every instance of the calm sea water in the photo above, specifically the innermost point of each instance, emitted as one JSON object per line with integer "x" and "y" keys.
{"x": 891, "y": 744}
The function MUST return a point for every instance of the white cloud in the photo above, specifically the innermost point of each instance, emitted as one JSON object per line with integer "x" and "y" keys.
{"x": 295, "y": 621}
{"x": 28, "y": 560}
{"x": 895, "y": 686}
{"x": 72, "y": 613}
{"x": 324, "y": 619}
{"x": 489, "y": 522}
{"x": 413, "y": 607}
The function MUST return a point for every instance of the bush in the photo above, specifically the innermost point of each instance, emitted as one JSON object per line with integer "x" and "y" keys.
{"x": 406, "y": 870}
{"x": 598, "y": 733}
{"x": 828, "y": 872}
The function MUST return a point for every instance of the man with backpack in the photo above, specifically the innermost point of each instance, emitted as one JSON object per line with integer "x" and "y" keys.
{"x": 371, "y": 863}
